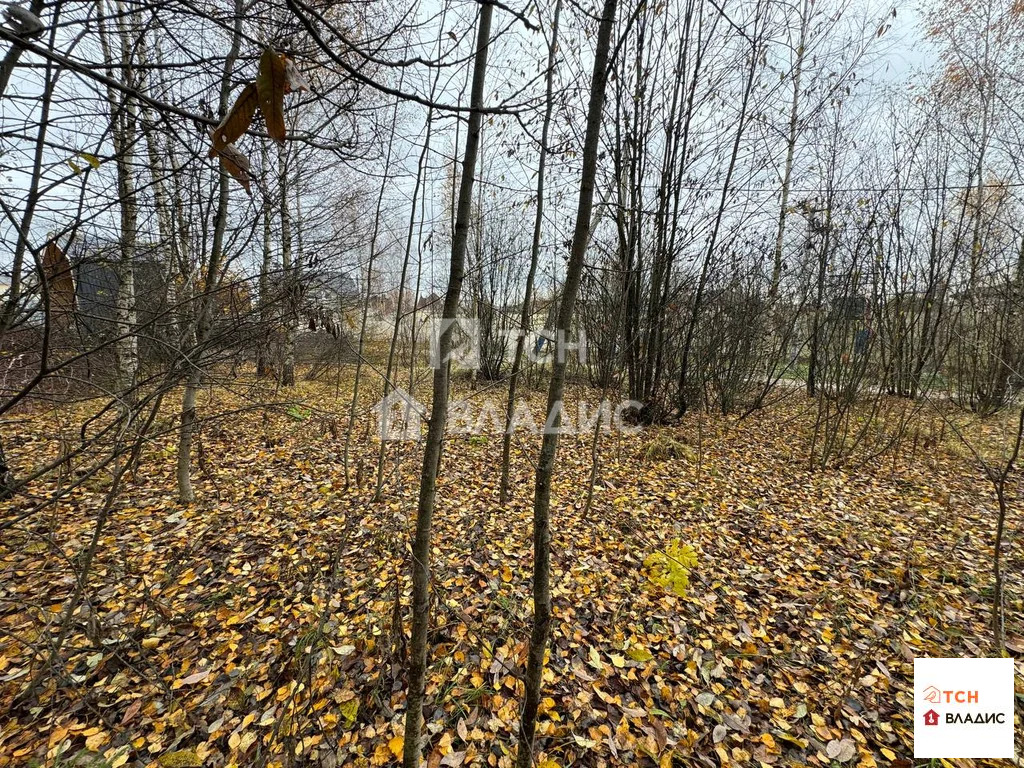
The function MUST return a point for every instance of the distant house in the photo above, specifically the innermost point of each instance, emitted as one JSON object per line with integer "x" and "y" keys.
{"x": 96, "y": 287}
{"x": 94, "y": 268}
{"x": 433, "y": 302}
{"x": 331, "y": 288}
{"x": 849, "y": 309}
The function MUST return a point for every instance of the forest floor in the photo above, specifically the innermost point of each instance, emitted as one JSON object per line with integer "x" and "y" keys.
{"x": 265, "y": 624}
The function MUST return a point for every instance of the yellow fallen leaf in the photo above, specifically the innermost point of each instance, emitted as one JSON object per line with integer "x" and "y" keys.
{"x": 445, "y": 744}
{"x": 183, "y": 758}
{"x": 96, "y": 740}
{"x": 396, "y": 745}
{"x": 381, "y": 755}
{"x": 349, "y": 710}
{"x": 636, "y": 653}
{"x": 269, "y": 716}
{"x": 802, "y": 743}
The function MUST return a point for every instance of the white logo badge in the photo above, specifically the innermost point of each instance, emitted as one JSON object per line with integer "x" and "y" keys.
{"x": 963, "y": 708}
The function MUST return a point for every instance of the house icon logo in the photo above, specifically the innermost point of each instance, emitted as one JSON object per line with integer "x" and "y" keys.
{"x": 399, "y": 416}
{"x": 932, "y": 695}
{"x": 464, "y": 340}
{"x": 931, "y": 717}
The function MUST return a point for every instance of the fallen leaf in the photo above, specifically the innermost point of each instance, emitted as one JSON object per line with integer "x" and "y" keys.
{"x": 841, "y": 751}
{"x": 184, "y": 758}
{"x": 396, "y": 744}
{"x": 196, "y": 677}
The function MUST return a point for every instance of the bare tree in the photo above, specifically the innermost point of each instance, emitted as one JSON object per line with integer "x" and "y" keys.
{"x": 439, "y": 406}
{"x": 556, "y": 391}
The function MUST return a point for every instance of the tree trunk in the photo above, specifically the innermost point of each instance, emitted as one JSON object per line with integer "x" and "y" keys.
{"x": 439, "y": 407}
{"x": 817, "y": 307}
{"x": 158, "y": 172}
{"x": 698, "y": 297}
{"x": 389, "y": 374}
{"x": 361, "y": 344}
{"x": 290, "y": 273}
{"x": 787, "y": 170}
{"x": 524, "y": 318}
{"x": 556, "y": 387}
{"x": 124, "y": 121}
{"x": 192, "y": 358}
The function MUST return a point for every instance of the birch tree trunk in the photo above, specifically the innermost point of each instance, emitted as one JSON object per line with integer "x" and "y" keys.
{"x": 159, "y": 172}
{"x": 290, "y": 276}
{"x": 124, "y": 125}
{"x": 791, "y": 136}
{"x": 263, "y": 367}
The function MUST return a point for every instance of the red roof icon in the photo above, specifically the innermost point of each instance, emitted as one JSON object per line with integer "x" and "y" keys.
{"x": 931, "y": 717}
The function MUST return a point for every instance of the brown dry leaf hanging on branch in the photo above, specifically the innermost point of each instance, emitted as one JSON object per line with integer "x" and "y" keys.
{"x": 277, "y": 76}
{"x": 271, "y": 83}
{"x": 294, "y": 80}
{"x": 237, "y": 121}
{"x": 237, "y": 165}
{"x": 57, "y": 272}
